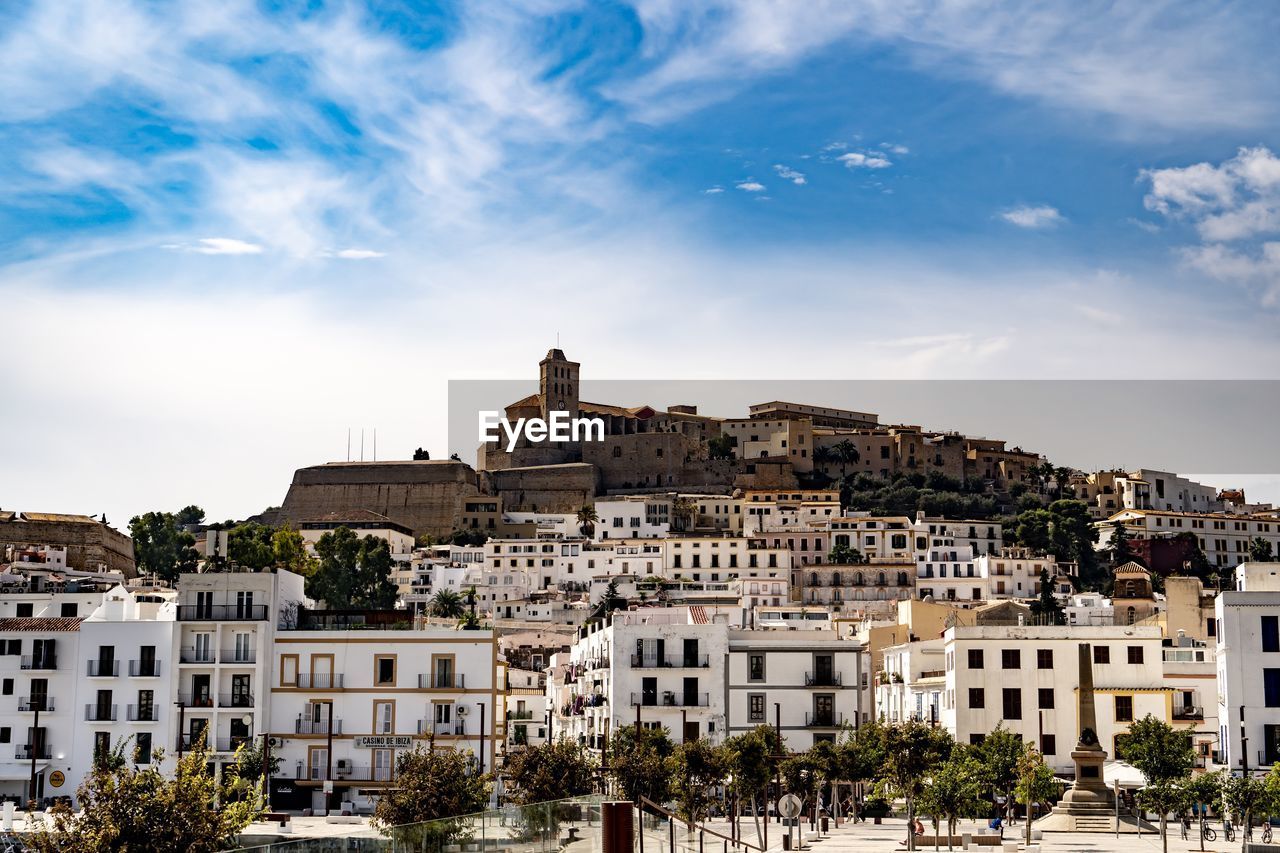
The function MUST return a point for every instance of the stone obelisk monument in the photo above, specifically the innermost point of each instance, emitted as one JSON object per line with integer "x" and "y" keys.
{"x": 1089, "y": 805}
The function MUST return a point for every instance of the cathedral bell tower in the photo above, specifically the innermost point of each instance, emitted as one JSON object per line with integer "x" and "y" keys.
{"x": 558, "y": 384}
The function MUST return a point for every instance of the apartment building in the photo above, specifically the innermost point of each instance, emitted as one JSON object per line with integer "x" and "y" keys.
{"x": 226, "y": 623}
{"x": 345, "y": 702}
{"x": 659, "y": 667}
{"x": 1247, "y": 628}
{"x": 633, "y": 517}
{"x": 1224, "y": 538}
{"x": 720, "y": 558}
{"x": 807, "y": 682}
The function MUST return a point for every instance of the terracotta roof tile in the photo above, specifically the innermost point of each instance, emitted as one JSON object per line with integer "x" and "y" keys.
{"x": 43, "y": 624}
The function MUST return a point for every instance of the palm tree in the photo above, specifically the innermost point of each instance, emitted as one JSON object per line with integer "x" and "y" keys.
{"x": 587, "y": 518}
{"x": 846, "y": 453}
{"x": 822, "y": 457}
{"x": 446, "y": 604}
{"x": 682, "y": 512}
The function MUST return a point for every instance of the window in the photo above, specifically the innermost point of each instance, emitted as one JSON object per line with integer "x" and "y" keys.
{"x": 1102, "y": 654}
{"x": 1044, "y": 658}
{"x": 1045, "y": 697}
{"x": 977, "y": 697}
{"x": 1124, "y": 707}
{"x": 13, "y": 647}
{"x": 1135, "y": 654}
{"x": 1012, "y": 703}
{"x": 1010, "y": 658}
{"x": 288, "y": 670}
{"x": 384, "y": 718}
{"x": 384, "y": 668}
{"x": 755, "y": 667}
{"x": 976, "y": 739}
{"x": 101, "y": 746}
{"x": 975, "y": 658}
{"x": 7, "y": 687}
{"x": 1048, "y": 745}
{"x": 6, "y": 734}
{"x": 1271, "y": 633}
{"x": 1271, "y": 687}
{"x": 755, "y": 707}
{"x": 24, "y": 608}
{"x": 142, "y": 747}
{"x": 70, "y": 608}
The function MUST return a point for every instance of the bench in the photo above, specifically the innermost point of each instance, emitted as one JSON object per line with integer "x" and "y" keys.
{"x": 957, "y": 841}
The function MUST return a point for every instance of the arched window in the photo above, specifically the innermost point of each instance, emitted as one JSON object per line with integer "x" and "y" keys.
{"x": 617, "y": 452}
{"x": 902, "y": 579}
{"x": 1132, "y": 615}
{"x": 813, "y": 579}
{"x": 880, "y": 579}
{"x": 1128, "y": 590}
{"x": 858, "y": 579}
{"x": 835, "y": 579}
{"x": 836, "y": 597}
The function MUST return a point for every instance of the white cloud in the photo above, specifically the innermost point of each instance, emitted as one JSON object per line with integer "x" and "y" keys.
{"x": 713, "y": 190}
{"x": 220, "y": 246}
{"x": 751, "y": 186}
{"x": 894, "y": 148}
{"x": 358, "y": 254}
{"x": 859, "y": 160}
{"x": 1234, "y": 207}
{"x": 1041, "y": 216}
{"x": 787, "y": 173}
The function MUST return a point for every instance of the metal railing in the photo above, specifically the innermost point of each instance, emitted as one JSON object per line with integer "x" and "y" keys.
{"x": 316, "y": 727}
{"x": 520, "y": 715}
{"x": 235, "y": 700}
{"x": 670, "y": 662}
{"x": 142, "y": 714}
{"x": 1188, "y": 712}
{"x": 192, "y": 655}
{"x": 35, "y": 703}
{"x": 671, "y": 700}
{"x": 100, "y": 713}
{"x": 103, "y": 668}
{"x": 39, "y": 662}
{"x": 196, "y": 700}
{"x": 26, "y": 752}
{"x": 144, "y": 669}
{"x": 431, "y": 727}
{"x": 824, "y": 720}
{"x": 320, "y": 681}
{"x": 221, "y": 612}
{"x": 442, "y": 681}
{"x": 237, "y": 656}
{"x": 823, "y": 679}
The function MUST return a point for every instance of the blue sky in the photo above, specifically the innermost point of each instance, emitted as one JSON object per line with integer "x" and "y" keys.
{"x": 228, "y": 232}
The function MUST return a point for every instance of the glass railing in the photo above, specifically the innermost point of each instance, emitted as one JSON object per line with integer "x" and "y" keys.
{"x": 538, "y": 828}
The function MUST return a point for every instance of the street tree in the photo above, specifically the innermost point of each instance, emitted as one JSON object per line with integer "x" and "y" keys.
{"x": 751, "y": 757}
{"x": 956, "y": 790}
{"x": 1160, "y": 752}
{"x": 127, "y": 806}
{"x": 1163, "y": 797}
{"x": 161, "y": 546}
{"x": 998, "y": 756}
{"x": 549, "y": 771}
{"x": 431, "y": 784}
{"x": 696, "y": 768}
{"x": 1247, "y": 796}
{"x": 446, "y": 604}
{"x": 862, "y": 754}
{"x": 1036, "y": 784}
{"x": 912, "y": 752}
{"x": 638, "y": 762}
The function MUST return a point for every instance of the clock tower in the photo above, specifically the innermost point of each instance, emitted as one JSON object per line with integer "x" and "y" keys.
{"x": 558, "y": 384}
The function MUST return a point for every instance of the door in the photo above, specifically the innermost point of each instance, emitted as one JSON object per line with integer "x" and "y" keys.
{"x": 383, "y": 761}
{"x": 317, "y": 762}
{"x": 102, "y": 707}
{"x": 147, "y": 661}
{"x": 824, "y": 710}
{"x": 690, "y": 730}
{"x": 197, "y": 729}
{"x": 444, "y": 673}
{"x": 824, "y": 670}
{"x": 244, "y": 604}
{"x": 201, "y": 691}
{"x": 691, "y": 652}
{"x": 204, "y": 605}
{"x": 146, "y": 705}
{"x": 242, "y": 652}
{"x": 239, "y": 731}
{"x": 42, "y": 654}
{"x": 322, "y": 671}
{"x": 649, "y": 691}
{"x": 40, "y": 694}
{"x": 106, "y": 660}
{"x": 203, "y": 648}
{"x": 690, "y": 693}
{"x": 240, "y": 695}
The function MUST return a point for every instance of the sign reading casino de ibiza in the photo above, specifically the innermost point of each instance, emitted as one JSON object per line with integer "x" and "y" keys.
{"x": 382, "y": 741}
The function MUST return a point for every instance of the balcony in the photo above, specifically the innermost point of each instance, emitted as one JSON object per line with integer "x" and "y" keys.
{"x": 44, "y": 662}
{"x": 824, "y": 720}
{"x": 1188, "y": 712}
{"x": 231, "y": 744}
{"x": 343, "y": 770}
{"x": 670, "y": 662}
{"x": 103, "y": 668}
{"x": 25, "y": 752}
{"x": 320, "y": 681}
{"x": 442, "y": 681}
{"x": 431, "y": 727}
{"x": 670, "y": 699}
{"x": 195, "y": 700}
{"x": 238, "y": 656}
{"x": 100, "y": 713}
{"x": 144, "y": 669}
{"x": 823, "y": 679}
{"x": 142, "y": 714}
{"x": 186, "y": 743}
{"x": 190, "y": 655}
{"x": 222, "y": 612}
{"x": 520, "y": 715}
{"x": 235, "y": 700}
{"x": 316, "y": 727}
{"x": 27, "y": 704}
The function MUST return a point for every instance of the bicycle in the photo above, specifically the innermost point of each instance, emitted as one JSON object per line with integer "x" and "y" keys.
{"x": 1207, "y": 833}
{"x": 1227, "y": 832}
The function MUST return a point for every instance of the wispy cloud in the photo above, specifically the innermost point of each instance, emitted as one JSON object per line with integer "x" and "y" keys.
{"x": 713, "y": 190}
{"x": 217, "y": 246}
{"x": 1040, "y": 216}
{"x": 750, "y": 186}
{"x": 358, "y": 254}
{"x": 789, "y": 174}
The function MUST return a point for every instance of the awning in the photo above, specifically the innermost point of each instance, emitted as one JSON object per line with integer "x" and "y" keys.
{"x": 17, "y": 772}
{"x": 1126, "y": 774}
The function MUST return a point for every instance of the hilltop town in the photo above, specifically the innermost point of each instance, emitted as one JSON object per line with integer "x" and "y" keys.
{"x": 802, "y": 567}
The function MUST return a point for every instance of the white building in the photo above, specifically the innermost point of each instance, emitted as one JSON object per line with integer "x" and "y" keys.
{"x": 1224, "y": 538}
{"x": 345, "y": 702}
{"x": 633, "y": 517}
{"x": 1248, "y": 650}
